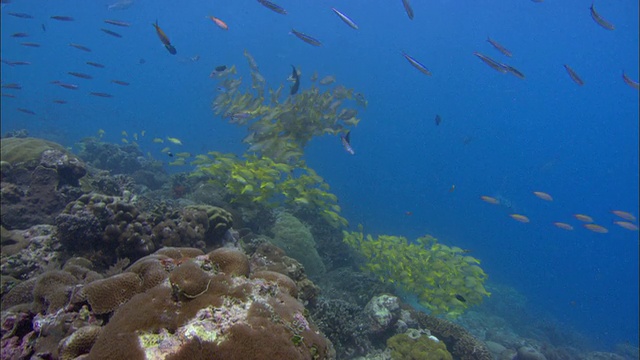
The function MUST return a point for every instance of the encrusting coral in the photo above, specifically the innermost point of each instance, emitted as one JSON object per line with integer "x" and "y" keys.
{"x": 422, "y": 347}
{"x": 444, "y": 278}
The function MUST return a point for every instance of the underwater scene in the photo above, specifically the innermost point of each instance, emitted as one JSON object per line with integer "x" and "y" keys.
{"x": 313, "y": 179}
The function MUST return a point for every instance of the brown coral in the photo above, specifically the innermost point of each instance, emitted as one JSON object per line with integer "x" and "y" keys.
{"x": 52, "y": 290}
{"x": 189, "y": 280}
{"x": 79, "y": 343}
{"x": 106, "y": 295}
{"x": 283, "y": 281}
{"x": 461, "y": 343}
{"x": 230, "y": 261}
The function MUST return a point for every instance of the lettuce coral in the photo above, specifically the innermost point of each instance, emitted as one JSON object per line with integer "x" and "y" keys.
{"x": 444, "y": 278}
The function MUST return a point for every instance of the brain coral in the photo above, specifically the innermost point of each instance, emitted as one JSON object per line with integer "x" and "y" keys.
{"x": 107, "y": 294}
{"x": 230, "y": 261}
{"x": 225, "y": 317}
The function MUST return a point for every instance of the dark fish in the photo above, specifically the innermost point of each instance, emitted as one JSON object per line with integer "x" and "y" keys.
{"x": 68, "y": 86}
{"x": 142, "y": 61}
{"x": 600, "y": 20}
{"x": 170, "y": 153}
{"x": 514, "y": 71}
{"x": 345, "y": 18}
{"x": 20, "y": 15}
{"x": 60, "y": 101}
{"x": 346, "y": 143}
{"x": 221, "y": 68}
{"x": 459, "y": 297}
{"x": 26, "y": 111}
{"x": 164, "y": 39}
{"x": 19, "y": 35}
{"x": 306, "y": 38}
{"x": 95, "y": 64}
{"x": 112, "y": 33}
{"x": 13, "y": 86}
{"x": 492, "y": 63}
{"x": 296, "y": 79}
{"x": 8, "y": 95}
{"x": 62, "y": 18}
{"x": 574, "y": 76}
{"x": 498, "y": 46}
{"x": 80, "y": 75}
{"x": 44, "y": 28}
{"x": 438, "y": 120}
{"x": 271, "y": 6}
{"x": 101, "y": 94}
{"x": 12, "y": 63}
{"x": 30, "y": 44}
{"x": 629, "y": 81}
{"x": 408, "y": 9}
{"x": 81, "y": 47}
{"x": 117, "y": 23}
{"x": 416, "y": 64}
{"x": 120, "y": 82}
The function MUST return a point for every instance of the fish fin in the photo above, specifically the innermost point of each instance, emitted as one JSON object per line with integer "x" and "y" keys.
{"x": 348, "y": 137}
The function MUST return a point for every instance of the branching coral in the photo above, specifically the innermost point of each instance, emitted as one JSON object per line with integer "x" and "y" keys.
{"x": 281, "y": 129}
{"x": 444, "y": 278}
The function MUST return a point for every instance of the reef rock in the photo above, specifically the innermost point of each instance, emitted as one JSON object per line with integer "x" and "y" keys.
{"x": 384, "y": 311}
{"x": 38, "y": 179}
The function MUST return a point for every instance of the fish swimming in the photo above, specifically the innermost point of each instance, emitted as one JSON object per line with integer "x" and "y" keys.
{"x": 629, "y": 81}
{"x": 112, "y": 33}
{"x": 345, "y": 18}
{"x": 101, "y": 94}
{"x": 438, "y": 120}
{"x": 95, "y": 64}
{"x": 346, "y": 142}
{"x": 221, "y": 24}
{"x": 498, "y": 46}
{"x": 61, "y": 18}
{"x": 574, "y": 76}
{"x": 164, "y": 39}
{"x": 80, "y": 47}
{"x": 296, "y": 81}
{"x": 120, "y": 82}
{"x": 306, "y": 38}
{"x": 416, "y": 64}
{"x": 600, "y": 20}
{"x": 514, "y": 71}
{"x": 80, "y": 75}
{"x": 492, "y": 63}
{"x": 116, "y": 22}
{"x": 408, "y": 9}
{"x": 271, "y": 6}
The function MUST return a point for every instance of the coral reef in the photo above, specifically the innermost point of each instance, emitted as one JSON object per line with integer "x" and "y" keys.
{"x": 444, "y": 278}
{"x": 291, "y": 235}
{"x": 38, "y": 179}
{"x": 383, "y": 311}
{"x": 27, "y": 253}
{"x": 344, "y": 324}
{"x": 460, "y": 343}
{"x": 420, "y": 347}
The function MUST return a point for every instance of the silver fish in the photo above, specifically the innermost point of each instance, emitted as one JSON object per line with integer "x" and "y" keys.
{"x": 416, "y": 64}
{"x": 345, "y": 18}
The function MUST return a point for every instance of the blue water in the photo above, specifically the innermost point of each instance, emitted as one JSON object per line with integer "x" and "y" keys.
{"x": 544, "y": 133}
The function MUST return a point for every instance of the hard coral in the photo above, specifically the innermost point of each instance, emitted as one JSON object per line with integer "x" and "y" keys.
{"x": 107, "y": 294}
{"x": 189, "y": 280}
{"x": 459, "y": 341}
{"x": 283, "y": 281}
{"x": 230, "y": 261}
{"x": 405, "y": 347}
{"x": 79, "y": 343}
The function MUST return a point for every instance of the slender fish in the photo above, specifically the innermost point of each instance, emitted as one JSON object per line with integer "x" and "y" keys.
{"x": 629, "y": 81}
{"x": 62, "y": 18}
{"x": 514, "y": 71}
{"x": 296, "y": 79}
{"x": 408, "y": 9}
{"x": 416, "y": 64}
{"x": 271, "y": 6}
{"x": 26, "y": 111}
{"x": 60, "y": 101}
{"x": 68, "y": 86}
{"x": 80, "y": 75}
{"x": 120, "y": 82}
{"x": 306, "y": 38}
{"x": 492, "y": 63}
{"x": 346, "y": 143}
{"x": 498, "y": 46}
{"x": 112, "y": 33}
{"x": 20, "y": 15}
{"x": 13, "y": 86}
{"x": 30, "y": 44}
{"x": 574, "y": 76}
{"x": 600, "y": 20}
{"x": 95, "y": 64}
{"x": 345, "y": 18}
{"x": 81, "y": 47}
{"x": 101, "y": 94}
{"x": 19, "y": 35}
{"x": 117, "y": 23}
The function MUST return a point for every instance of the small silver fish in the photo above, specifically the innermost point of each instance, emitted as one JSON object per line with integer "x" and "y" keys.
{"x": 345, "y": 18}
{"x": 416, "y": 64}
